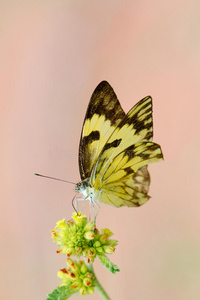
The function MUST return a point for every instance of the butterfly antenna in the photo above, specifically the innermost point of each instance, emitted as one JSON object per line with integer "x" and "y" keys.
{"x": 54, "y": 178}
{"x": 73, "y": 204}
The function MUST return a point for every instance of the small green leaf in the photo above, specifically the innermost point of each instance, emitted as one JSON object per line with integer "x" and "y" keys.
{"x": 61, "y": 293}
{"x": 108, "y": 264}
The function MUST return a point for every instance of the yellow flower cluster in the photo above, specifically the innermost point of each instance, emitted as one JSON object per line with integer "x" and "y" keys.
{"x": 78, "y": 277}
{"x": 79, "y": 237}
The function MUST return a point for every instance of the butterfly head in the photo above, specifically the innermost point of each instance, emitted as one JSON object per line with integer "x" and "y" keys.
{"x": 82, "y": 186}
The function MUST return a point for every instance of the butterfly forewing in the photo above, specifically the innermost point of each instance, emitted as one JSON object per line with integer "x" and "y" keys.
{"x": 135, "y": 127}
{"x": 103, "y": 115}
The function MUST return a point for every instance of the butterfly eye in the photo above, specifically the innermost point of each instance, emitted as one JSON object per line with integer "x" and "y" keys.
{"x": 78, "y": 186}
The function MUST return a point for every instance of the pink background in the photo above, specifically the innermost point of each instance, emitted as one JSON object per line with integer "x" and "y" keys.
{"x": 52, "y": 56}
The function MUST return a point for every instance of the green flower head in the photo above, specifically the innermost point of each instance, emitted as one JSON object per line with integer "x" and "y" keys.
{"x": 79, "y": 237}
{"x": 77, "y": 277}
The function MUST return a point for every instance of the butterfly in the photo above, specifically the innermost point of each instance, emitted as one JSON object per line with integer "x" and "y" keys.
{"x": 115, "y": 149}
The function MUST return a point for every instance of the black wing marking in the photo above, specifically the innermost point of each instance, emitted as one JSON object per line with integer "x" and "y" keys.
{"x": 103, "y": 115}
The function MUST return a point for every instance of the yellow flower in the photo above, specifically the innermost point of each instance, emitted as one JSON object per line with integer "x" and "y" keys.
{"x": 79, "y": 218}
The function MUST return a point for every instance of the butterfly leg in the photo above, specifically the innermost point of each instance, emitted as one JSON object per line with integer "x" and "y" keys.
{"x": 77, "y": 199}
{"x": 83, "y": 204}
{"x": 92, "y": 204}
{"x": 91, "y": 208}
{"x": 74, "y": 206}
{"x": 90, "y": 211}
{"x": 95, "y": 216}
{"x": 94, "y": 212}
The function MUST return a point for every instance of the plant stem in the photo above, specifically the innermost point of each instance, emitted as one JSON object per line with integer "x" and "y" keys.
{"x": 98, "y": 285}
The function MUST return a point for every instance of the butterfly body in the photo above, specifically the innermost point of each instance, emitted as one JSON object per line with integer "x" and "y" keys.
{"x": 115, "y": 149}
{"x": 84, "y": 187}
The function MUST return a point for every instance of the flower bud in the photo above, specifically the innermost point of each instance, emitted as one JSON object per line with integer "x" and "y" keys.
{"x": 61, "y": 224}
{"x": 63, "y": 275}
{"x": 87, "y": 281}
{"x": 89, "y": 235}
{"x": 97, "y": 244}
{"x": 83, "y": 291}
{"x": 92, "y": 252}
{"x": 70, "y": 222}
{"x": 70, "y": 263}
{"x": 84, "y": 269}
{"x": 100, "y": 250}
{"x": 74, "y": 286}
{"x": 73, "y": 276}
{"x": 109, "y": 249}
{"x": 88, "y": 260}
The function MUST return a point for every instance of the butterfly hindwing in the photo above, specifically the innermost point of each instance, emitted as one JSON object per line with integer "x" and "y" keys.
{"x": 130, "y": 160}
{"x": 126, "y": 181}
{"x": 120, "y": 182}
{"x": 130, "y": 191}
{"x": 103, "y": 115}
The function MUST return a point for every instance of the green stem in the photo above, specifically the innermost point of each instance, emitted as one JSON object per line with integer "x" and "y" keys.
{"x": 98, "y": 285}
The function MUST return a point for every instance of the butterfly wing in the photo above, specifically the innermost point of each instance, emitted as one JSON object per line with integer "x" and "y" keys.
{"x": 128, "y": 149}
{"x": 129, "y": 191}
{"x": 103, "y": 114}
{"x": 126, "y": 181}
{"x": 136, "y": 126}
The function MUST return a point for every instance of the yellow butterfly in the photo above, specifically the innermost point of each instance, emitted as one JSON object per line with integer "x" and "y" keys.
{"x": 115, "y": 149}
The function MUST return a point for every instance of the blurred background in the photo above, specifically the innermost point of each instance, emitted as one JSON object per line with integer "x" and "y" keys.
{"x": 52, "y": 56}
